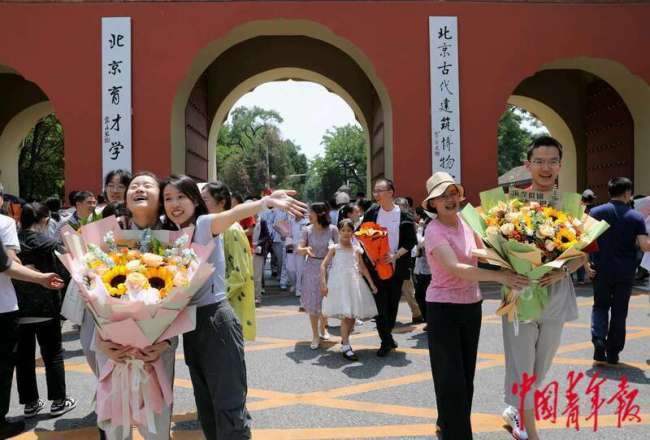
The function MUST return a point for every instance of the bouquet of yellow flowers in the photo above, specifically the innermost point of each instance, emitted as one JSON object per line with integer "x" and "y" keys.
{"x": 530, "y": 237}
{"x": 147, "y": 273}
{"x": 552, "y": 231}
{"x": 137, "y": 286}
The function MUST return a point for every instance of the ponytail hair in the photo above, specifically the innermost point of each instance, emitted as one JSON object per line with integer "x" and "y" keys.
{"x": 32, "y": 213}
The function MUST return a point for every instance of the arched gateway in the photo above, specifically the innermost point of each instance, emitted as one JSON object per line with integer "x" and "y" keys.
{"x": 191, "y": 60}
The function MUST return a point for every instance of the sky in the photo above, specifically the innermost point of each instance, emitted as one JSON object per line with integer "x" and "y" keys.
{"x": 308, "y": 110}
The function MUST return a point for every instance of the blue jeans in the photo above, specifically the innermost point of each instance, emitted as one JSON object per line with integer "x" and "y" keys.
{"x": 608, "y": 331}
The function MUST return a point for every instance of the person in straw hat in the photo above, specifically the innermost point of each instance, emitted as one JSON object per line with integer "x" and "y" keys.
{"x": 454, "y": 304}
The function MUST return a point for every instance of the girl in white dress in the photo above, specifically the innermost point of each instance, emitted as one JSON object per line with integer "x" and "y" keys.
{"x": 346, "y": 294}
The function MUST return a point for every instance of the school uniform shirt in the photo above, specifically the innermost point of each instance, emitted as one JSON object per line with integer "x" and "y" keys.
{"x": 617, "y": 247}
{"x": 9, "y": 237}
{"x": 214, "y": 290}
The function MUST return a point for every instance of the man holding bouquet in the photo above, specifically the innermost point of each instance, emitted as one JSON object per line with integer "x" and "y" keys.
{"x": 402, "y": 238}
{"x": 532, "y": 347}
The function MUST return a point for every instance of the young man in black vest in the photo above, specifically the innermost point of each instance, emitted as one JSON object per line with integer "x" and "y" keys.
{"x": 402, "y": 238}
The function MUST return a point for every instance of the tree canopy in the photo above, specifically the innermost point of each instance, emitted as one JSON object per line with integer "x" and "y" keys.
{"x": 343, "y": 162}
{"x": 252, "y": 154}
{"x": 242, "y": 149}
{"x": 40, "y": 164}
{"x": 513, "y": 137}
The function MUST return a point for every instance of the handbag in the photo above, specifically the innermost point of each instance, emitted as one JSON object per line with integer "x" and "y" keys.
{"x": 73, "y": 305}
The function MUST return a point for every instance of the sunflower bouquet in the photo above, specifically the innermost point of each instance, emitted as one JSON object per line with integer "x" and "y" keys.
{"x": 552, "y": 231}
{"x": 137, "y": 286}
{"x": 531, "y": 235}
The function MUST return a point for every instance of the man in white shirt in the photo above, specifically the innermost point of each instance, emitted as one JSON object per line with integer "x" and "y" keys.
{"x": 401, "y": 238}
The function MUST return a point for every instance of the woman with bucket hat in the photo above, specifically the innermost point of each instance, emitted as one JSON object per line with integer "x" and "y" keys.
{"x": 454, "y": 304}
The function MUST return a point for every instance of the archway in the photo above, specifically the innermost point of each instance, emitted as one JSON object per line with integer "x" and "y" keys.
{"x": 24, "y": 104}
{"x": 260, "y": 52}
{"x": 605, "y": 109}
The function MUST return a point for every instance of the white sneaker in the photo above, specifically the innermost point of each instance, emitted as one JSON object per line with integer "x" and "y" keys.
{"x": 511, "y": 417}
{"x": 326, "y": 336}
{"x": 298, "y": 294}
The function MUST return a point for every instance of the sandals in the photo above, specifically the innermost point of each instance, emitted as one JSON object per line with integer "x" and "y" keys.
{"x": 347, "y": 353}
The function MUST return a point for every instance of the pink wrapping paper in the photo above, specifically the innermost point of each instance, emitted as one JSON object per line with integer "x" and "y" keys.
{"x": 134, "y": 324}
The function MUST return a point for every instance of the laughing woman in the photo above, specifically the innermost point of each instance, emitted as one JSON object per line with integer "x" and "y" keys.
{"x": 214, "y": 351}
{"x": 143, "y": 204}
{"x": 454, "y": 305}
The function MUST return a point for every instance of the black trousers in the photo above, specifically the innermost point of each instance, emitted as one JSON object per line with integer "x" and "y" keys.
{"x": 48, "y": 335}
{"x": 214, "y": 353}
{"x": 609, "y": 313}
{"x": 453, "y": 331}
{"x": 387, "y": 299}
{"x": 421, "y": 284}
{"x": 8, "y": 343}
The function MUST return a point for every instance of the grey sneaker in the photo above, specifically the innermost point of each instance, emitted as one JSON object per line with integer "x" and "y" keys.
{"x": 31, "y": 409}
{"x": 62, "y": 406}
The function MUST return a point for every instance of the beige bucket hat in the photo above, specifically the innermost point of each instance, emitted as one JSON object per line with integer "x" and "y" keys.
{"x": 438, "y": 184}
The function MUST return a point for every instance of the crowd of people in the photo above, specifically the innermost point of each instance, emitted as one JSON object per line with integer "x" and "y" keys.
{"x": 313, "y": 252}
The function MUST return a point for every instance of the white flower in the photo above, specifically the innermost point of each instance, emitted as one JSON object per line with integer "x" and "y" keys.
{"x": 534, "y": 205}
{"x": 549, "y": 245}
{"x": 134, "y": 266}
{"x": 507, "y": 229}
{"x": 152, "y": 260}
{"x": 546, "y": 230}
{"x": 512, "y": 217}
{"x": 576, "y": 223}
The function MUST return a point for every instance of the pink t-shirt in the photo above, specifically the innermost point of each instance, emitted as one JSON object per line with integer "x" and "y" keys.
{"x": 445, "y": 287}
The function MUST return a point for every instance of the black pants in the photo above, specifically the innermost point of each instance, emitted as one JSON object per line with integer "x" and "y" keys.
{"x": 8, "y": 343}
{"x": 609, "y": 331}
{"x": 454, "y": 331}
{"x": 214, "y": 353}
{"x": 421, "y": 283}
{"x": 48, "y": 335}
{"x": 387, "y": 299}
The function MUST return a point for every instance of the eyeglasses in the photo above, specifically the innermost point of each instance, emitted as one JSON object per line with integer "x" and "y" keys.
{"x": 541, "y": 162}
{"x": 379, "y": 191}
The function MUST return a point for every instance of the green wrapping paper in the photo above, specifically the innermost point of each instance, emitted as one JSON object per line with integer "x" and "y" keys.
{"x": 525, "y": 258}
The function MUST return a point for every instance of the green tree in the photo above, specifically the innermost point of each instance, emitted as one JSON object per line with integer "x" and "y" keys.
{"x": 251, "y": 152}
{"x": 343, "y": 163}
{"x": 513, "y": 137}
{"x": 40, "y": 164}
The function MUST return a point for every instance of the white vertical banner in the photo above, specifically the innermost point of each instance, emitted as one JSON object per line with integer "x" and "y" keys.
{"x": 116, "y": 93}
{"x": 445, "y": 102}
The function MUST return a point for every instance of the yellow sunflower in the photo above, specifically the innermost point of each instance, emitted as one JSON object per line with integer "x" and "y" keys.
{"x": 565, "y": 239}
{"x": 114, "y": 280}
{"x": 557, "y": 216}
{"x": 160, "y": 278}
